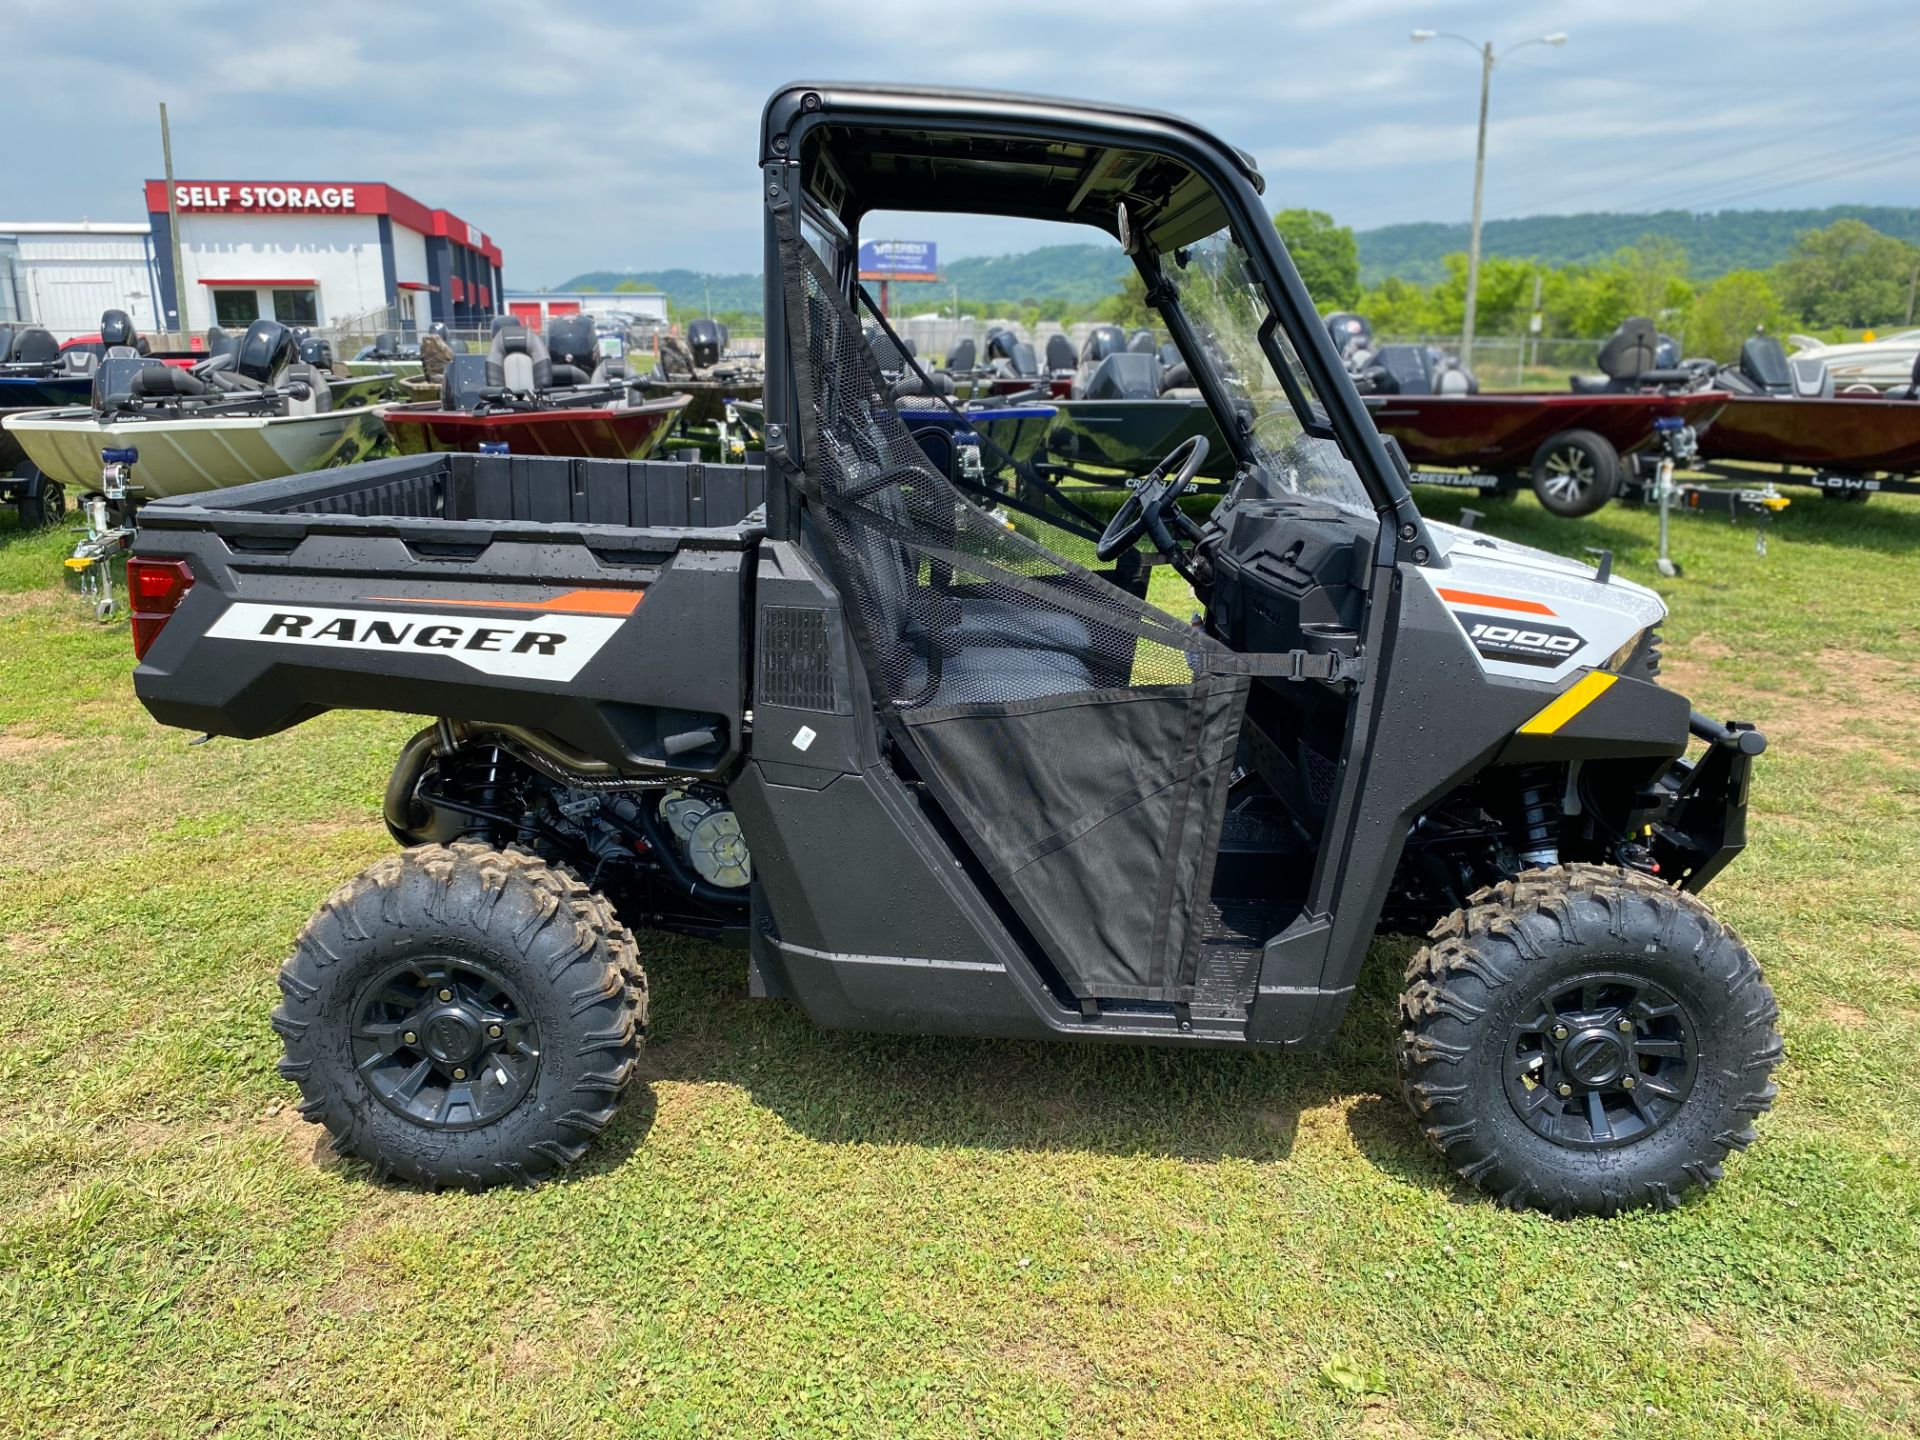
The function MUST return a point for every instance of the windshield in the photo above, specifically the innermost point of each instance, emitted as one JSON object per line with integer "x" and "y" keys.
{"x": 1245, "y": 345}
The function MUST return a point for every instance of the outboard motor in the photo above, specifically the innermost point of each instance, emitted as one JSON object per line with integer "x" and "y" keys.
{"x": 1666, "y": 352}
{"x": 116, "y": 329}
{"x": 1104, "y": 340}
{"x": 1059, "y": 352}
{"x": 1141, "y": 342}
{"x": 707, "y": 341}
{"x": 1000, "y": 344}
{"x": 1350, "y": 333}
{"x": 34, "y": 346}
{"x": 317, "y": 351}
{"x": 962, "y": 358}
{"x": 573, "y": 348}
{"x": 264, "y": 351}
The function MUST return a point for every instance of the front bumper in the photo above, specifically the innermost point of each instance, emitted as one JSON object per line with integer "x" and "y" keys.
{"x": 1701, "y": 805}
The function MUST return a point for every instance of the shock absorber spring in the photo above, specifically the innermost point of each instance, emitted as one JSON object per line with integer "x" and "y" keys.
{"x": 1539, "y": 818}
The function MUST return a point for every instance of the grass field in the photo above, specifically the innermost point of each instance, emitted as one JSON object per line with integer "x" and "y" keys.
{"x": 797, "y": 1233}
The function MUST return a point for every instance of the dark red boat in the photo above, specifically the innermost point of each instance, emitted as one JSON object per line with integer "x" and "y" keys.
{"x": 607, "y": 432}
{"x": 1568, "y": 447}
{"x": 1841, "y": 435}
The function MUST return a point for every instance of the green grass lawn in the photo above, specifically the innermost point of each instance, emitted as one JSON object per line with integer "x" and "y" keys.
{"x": 796, "y": 1233}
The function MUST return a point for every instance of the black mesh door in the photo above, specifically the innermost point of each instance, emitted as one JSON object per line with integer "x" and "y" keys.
{"x": 1077, "y": 736}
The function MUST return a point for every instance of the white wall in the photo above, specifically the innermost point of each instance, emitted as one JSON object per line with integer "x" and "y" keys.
{"x": 409, "y": 254}
{"x": 67, "y": 277}
{"x": 340, "y": 252}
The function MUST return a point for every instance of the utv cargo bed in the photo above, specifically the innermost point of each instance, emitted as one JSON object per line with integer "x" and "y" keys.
{"x": 497, "y": 588}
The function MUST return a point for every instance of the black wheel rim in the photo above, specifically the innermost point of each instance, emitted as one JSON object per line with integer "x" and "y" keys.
{"x": 445, "y": 1042}
{"x": 1601, "y": 1060}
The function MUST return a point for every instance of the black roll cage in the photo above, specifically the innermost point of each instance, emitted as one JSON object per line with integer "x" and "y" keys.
{"x": 796, "y": 110}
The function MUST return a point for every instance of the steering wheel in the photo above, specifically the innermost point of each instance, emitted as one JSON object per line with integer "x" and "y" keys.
{"x": 1144, "y": 512}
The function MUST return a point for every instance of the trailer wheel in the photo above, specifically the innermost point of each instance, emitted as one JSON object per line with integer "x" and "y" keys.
{"x": 1575, "y": 473}
{"x": 461, "y": 1015}
{"x": 1586, "y": 1040}
{"x": 42, "y": 505}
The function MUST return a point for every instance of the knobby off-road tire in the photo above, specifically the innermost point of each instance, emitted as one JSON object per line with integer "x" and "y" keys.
{"x": 1586, "y": 1040}
{"x": 462, "y": 1015}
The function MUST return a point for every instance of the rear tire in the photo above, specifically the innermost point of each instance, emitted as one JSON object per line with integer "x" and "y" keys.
{"x": 461, "y": 1015}
{"x": 1586, "y": 1040}
{"x": 1575, "y": 473}
{"x": 48, "y": 507}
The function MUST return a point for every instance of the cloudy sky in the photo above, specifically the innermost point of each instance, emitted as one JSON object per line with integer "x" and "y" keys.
{"x": 584, "y": 136}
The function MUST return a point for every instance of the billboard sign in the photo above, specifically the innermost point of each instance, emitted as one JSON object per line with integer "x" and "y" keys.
{"x": 899, "y": 260}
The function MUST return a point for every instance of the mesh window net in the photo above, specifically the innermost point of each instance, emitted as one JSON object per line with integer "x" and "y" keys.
{"x": 1078, "y": 737}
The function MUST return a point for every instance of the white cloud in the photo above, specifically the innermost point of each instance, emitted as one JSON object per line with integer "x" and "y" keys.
{"x": 600, "y": 136}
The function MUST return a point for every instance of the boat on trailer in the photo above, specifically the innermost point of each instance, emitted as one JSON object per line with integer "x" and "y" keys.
{"x": 535, "y": 395}
{"x": 1785, "y": 416}
{"x": 255, "y": 414}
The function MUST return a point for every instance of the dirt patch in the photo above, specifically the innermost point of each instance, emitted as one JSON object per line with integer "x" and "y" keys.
{"x": 1863, "y": 696}
{"x": 1852, "y": 1017}
{"x": 15, "y": 746}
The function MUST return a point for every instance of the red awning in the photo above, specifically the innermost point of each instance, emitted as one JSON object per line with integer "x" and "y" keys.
{"x": 415, "y": 285}
{"x": 260, "y": 284}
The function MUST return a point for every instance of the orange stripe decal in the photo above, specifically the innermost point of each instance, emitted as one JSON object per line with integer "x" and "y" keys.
{"x": 572, "y": 602}
{"x": 1494, "y": 602}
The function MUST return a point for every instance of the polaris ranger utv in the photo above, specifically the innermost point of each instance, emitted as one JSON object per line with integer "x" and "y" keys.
{"x": 935, "y": 775}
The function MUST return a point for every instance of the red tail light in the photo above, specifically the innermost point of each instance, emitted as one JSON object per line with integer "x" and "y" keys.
{"x": 155, "y": 589}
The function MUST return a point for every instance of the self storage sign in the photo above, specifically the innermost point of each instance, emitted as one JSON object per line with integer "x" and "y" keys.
{"x": 546, "y": 647}
{"x": 269, "y": 199}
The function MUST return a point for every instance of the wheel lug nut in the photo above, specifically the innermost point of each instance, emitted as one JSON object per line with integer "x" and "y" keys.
{"x": 410, "y": 1038}
{"x": 446, "y": 994}
{"x": 459, "y": 1072}
{"x": 1628, "y": 1082}
{"x": 1564, "y": 1088}
{"x": 494, "y": 1031}
{"x": 1559, "y": 1032}
{"x": 1626, "y": 1027}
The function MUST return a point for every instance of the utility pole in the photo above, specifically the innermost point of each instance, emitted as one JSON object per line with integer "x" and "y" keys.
{"x": 1479, "y": 191}
{"x": 1913, "y": 286}
{"x": 1487, "y": 56}
{"x": 173, "y": 235}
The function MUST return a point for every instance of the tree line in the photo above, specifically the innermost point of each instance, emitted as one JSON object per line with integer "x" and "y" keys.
{"x": 1843, "y": 278}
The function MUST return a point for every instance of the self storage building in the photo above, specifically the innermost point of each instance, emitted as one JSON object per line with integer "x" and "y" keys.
{"x": 328, "y": 254}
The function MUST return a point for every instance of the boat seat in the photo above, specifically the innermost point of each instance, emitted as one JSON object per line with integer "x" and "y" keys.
{"x": 517, "y": 361}
{"x": 1592, "y": 385}
{"x": 1120, "y": 376}
{"x": 154, "y": 381}
{"x": 80, "y": 361}
{"x": 220, "y": 342}
{"x": 6, "y": 343}
{"x": 1060, "y": 354}
{"x": 1811, "y": 379}
{"x": 319, "y": 396}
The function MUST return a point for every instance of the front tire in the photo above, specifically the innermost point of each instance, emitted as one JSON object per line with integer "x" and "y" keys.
{"x": 1586, "y": 1040}
{"x": 461, "y": 1015}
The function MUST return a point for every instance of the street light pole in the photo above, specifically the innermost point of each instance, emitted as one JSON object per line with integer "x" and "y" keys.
{"x": 1479, "y": 193}
{"x": 1487, "y": 60}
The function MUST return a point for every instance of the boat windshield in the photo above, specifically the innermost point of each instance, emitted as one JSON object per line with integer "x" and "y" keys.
{"x": 1223, "y": 300}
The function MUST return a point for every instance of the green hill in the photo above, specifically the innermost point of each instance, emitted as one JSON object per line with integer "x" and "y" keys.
{"x": 1080, "y": 274}
{"x": 1715, "y": 243}
{"x": 1083, "y": 274}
